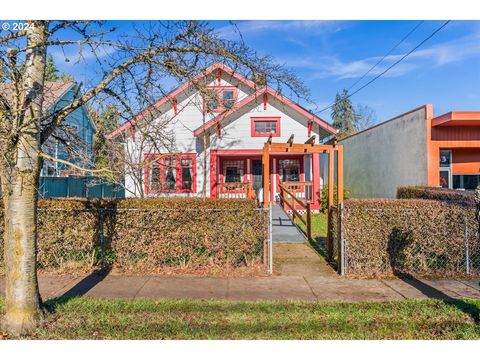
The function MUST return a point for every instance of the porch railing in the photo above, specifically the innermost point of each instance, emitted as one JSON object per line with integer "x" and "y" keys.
{"x": 300, "y": 189}
{"x": 289, "y": 201}
{"x": 235, "y": 190}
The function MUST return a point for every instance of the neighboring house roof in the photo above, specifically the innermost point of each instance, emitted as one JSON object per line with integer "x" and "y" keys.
{"x": 53, "y": 91}
{"x": 261, "y": 92}
{"x": 168, "y": 99}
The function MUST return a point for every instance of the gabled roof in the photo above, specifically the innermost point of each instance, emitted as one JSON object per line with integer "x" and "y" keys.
{"x": 168, "y": 99}
{"x": 52, "y": 92}
{"x": 269, "y": 92}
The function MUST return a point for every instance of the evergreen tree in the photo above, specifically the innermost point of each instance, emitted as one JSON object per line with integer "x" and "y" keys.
{"x": 51, "y": 71}
{"x": 343, "y": 115}
{"x": 106, "y": 122}
{"x": 66, "y": 77}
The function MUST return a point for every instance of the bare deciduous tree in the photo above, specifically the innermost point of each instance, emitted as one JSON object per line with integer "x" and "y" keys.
{"x": 131, "y": 71}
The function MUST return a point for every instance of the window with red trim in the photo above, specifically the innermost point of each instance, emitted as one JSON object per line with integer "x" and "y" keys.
{"x": 265, "y": 126}
{"x": 233, "y": 171}
{"x": 170, "y": 173}
{"x": 220, "y": 98}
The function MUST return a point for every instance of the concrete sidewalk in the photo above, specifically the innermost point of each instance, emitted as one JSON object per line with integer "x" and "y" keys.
{"x": 309, "y": 288}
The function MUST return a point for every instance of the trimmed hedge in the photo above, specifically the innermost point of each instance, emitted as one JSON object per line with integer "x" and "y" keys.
{"x": 431, "y": 193}
{"x": 149, "y": 234}
{"x": 409, "y": 236}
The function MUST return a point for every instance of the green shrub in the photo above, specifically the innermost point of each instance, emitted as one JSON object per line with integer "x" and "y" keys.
{"x": 409, "y": 236}
{"x": 324, "y": 197}
{"x": 431, "y": 193}
{"x": 149, "y": 234}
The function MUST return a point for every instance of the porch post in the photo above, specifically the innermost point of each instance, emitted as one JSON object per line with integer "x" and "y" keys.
{"x": 339, "y": 174}
{"x": 213, "y": 174}
{"x": 266, "y": 175}
{"x": 331, "y": 164}
{"x": 316, "y": 179}
{"x": 331, "y": 169}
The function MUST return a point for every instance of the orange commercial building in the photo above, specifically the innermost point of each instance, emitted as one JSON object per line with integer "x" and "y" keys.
{"x": 454, "y": 150}
{"x": 414, "y": 148}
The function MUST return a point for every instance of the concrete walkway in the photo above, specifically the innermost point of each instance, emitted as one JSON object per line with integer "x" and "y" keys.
{"x": 283, "y": 228}
{"x": 309, "y": 288}
{"x": 299, "y": 274}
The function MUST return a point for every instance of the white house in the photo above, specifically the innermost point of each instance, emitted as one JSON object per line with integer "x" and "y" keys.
{"x": 196, "y": 144}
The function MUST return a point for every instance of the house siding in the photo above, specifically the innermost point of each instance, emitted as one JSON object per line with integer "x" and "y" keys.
{"x": 235, "y": 133}
{"x": 80, "y": 119}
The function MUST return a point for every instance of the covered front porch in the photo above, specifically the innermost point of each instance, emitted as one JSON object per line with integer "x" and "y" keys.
{"x": 239, "y": 174}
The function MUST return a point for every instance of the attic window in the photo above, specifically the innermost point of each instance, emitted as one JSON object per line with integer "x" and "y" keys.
{"x": 265, "y": 126}
{"x": 221, "y": 98}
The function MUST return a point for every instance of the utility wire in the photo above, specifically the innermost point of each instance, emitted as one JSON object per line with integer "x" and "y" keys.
{"x": 389, "y": 68}
{"x": 388, "y": 53}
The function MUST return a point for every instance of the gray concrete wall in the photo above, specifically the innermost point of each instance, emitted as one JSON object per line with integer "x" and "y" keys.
{"x": 380, "y": 159}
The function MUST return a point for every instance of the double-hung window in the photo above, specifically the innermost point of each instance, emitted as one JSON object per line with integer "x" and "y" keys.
{"x": 220, "y": 98}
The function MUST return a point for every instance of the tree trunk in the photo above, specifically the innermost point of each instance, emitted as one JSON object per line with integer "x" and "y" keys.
{"x": 22, "y": 299}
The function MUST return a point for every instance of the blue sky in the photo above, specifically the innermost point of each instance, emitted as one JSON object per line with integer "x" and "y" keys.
{"x": 331, "y": 55}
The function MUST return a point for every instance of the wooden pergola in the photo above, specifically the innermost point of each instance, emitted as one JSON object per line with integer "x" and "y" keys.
{"x": 309, "y": 147}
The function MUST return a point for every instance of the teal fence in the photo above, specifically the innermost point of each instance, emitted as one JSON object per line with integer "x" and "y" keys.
{"x": 79, "y": 186}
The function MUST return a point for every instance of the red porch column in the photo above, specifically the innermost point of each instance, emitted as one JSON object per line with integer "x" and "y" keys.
{"x": 316, "y": 180}
{"x": 213, "y": 174}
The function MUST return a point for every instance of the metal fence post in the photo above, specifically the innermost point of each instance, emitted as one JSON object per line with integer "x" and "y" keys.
{"x": 467, "y": 250}
{"x": 102, "y": 237}
{"x": 341, "y": 243}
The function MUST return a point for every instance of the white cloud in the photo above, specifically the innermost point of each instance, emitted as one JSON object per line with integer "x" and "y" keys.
{"x": 453, "y": 51}
{"x": 257, "y": 26}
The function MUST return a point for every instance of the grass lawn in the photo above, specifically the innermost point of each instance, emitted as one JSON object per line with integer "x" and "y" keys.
{"x": 319, "y": 225}
{"x": 82, "y": 318}
{"x": 319, "y": 231}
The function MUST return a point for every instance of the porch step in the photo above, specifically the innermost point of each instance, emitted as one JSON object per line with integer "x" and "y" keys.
{"x": 283, "y": 228}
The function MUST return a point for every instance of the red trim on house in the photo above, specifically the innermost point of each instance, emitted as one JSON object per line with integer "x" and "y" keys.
{"x": 255, "y": 119}
{"x": 167, "y": 99}
{"x": 219, "y": 131}
{"x": 254, "y": 96}
{"x": 221, "y": 175}
{"x": 132, "y": 133}
{"x": 219, "y": 90}
{"x": 265, "y": 100}
{"x": 178, "y": 173}
{"x": 238, "y": 152}
{"x": 310, "y": 125}
{"x": 213, "y": 173}
{"x": 174, "y": 103}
